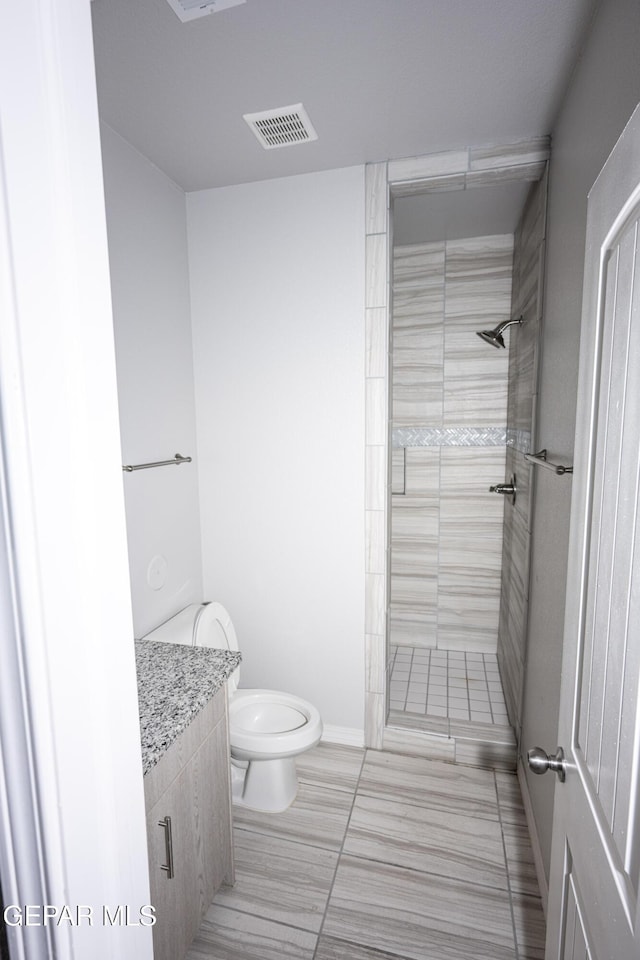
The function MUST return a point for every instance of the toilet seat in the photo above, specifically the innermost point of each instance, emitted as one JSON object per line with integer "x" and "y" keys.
{"x": 267, "y": 714}
{"x": 265, "y": 724}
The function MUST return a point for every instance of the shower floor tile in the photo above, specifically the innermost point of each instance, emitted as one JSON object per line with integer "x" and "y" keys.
{"x": 447, "y": 683}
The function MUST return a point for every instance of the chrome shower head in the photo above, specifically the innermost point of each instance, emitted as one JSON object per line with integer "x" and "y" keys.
{"x": 491, "y": 336}
{"x": 494, "y": 337}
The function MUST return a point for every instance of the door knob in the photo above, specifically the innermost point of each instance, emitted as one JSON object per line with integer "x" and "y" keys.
{"x": 540, "y": 761}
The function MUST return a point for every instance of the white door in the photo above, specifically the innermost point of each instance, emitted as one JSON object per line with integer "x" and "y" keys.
{"x": 595, "y": 868}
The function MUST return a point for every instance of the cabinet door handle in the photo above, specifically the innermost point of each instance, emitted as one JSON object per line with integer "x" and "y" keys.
{"x": 168, "y": 843}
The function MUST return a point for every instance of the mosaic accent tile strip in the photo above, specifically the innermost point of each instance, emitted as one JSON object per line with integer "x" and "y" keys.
{"x": 449, "y": 437}
{"x": 520, "y": 440}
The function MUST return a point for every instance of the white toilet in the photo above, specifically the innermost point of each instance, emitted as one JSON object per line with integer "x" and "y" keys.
{"x": 267, "y": 729}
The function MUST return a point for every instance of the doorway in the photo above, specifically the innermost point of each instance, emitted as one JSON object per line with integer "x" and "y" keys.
{"x": 390, "y": 629}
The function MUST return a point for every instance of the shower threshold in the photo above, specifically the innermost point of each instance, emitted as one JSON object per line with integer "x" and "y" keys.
{"x": 448, "y": 705}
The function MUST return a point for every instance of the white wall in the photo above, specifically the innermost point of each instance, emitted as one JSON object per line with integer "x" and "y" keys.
{"x": 604, "y": 91}
{"x": 277, "y": 292}
{"x": 146, "y": 222}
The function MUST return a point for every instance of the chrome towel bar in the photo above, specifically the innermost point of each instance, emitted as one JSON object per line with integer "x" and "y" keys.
{"x": 178, "y": 459}
{"x": 540, "y": 460}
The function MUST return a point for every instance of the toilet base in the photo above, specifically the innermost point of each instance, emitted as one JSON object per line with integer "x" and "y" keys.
{"x": 267, "y": 785}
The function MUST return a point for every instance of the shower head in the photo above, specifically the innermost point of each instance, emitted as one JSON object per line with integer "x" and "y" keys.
{"x": 494, "y": 337}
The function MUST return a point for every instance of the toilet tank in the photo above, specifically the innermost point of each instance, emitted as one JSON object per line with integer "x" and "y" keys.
{"x": 179, "y": 629}
{"x": 214, "y": 628}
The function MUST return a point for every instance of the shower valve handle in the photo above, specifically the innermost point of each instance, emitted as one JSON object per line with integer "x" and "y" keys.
{"x": 507, "y": 488}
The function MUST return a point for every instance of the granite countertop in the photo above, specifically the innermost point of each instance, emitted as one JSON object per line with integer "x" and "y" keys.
{"x": 175, "y": 682}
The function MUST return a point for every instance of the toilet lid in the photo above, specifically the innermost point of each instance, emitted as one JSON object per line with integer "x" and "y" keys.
{"x": 214, "y": 628}
{"x": 179, "y": 629}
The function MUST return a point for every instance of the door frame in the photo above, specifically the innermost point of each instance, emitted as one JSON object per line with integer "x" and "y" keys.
{"x": 69, "y": 738}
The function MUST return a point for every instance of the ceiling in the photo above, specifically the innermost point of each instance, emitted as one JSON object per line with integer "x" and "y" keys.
{"x": 380, "y": 79}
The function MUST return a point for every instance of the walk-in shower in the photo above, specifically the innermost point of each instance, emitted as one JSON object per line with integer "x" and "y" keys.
{"x": 448, "y": 446}
{"x": 494, "y": 337}
{"x": 446, "y": 577}
{"x": 460, "y": 421}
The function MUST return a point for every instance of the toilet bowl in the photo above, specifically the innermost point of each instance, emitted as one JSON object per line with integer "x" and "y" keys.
{"x": 267, "y": 729}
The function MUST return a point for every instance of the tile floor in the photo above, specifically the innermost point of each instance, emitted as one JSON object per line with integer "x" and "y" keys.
{"x": 446, "y": 683}
{"x": 381, "y": 857}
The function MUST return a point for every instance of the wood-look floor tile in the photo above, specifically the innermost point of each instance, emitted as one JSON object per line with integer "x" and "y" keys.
{"x": 510, "y": 799}
{"x": 331, "y": 765}
{"x": 435, "y": 784}
{"x": 280, "y": 880}
{"x": 318, "y": 816}
{"x": 418, "y": 877}
{"x": 230, "y": 935}
{"x": 433, "y": 841}
{"x": 485, "y": 754}
{"x": 529, "y": 921}
{"x": 330, "y": 948}
{"x": 423, "y": 917}
{"x": 520, "y": 863}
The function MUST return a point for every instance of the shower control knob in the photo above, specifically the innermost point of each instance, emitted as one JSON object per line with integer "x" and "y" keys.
{"x": 539, "y": 762}
{"x": 506, "y": 489}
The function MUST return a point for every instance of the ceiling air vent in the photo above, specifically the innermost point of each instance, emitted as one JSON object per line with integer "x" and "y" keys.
{"x": 190, "y": 9}
{"x": 282, "y": 127}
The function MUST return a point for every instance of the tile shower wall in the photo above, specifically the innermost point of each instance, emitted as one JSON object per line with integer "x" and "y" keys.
{"x": 528, "y": 267}
{"x": 449, "y": 413}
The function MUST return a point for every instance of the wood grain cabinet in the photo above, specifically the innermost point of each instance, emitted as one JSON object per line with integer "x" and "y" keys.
{"x": 189, "y": 786}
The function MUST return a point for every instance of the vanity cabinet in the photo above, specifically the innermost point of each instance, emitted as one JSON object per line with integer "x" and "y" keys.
{"x": 190, "y": 786}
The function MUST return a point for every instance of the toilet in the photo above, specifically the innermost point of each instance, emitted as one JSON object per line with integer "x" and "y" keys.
{"x": 267, "y": 728}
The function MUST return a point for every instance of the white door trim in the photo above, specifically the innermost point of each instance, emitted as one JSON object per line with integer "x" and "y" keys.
{"x": 72, "y": 642}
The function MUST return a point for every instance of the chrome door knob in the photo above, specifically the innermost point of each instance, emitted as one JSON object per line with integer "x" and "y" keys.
{"x": 540, "y": 761}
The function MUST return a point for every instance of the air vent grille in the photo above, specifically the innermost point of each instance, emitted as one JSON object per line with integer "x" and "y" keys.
{"x": 190, "y": 9}
{"x": 282, "y": 127}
